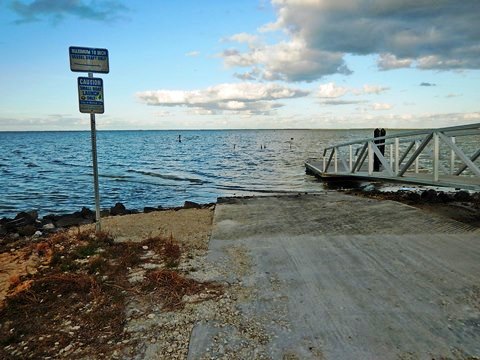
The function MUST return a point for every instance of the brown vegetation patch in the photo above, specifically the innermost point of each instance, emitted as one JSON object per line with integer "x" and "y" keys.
{"x": 75, "y": 305}
{"x": 172, "y": 287}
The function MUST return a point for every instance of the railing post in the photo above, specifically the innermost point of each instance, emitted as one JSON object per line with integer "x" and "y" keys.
{"x": 391, "y": 157}
{"x": 351, "y": 157}
{"x": 335, "y": 160}
{"x": 370, "y": 158}
{"x": 436, "y": 155}
{"x": 417, "y": 158}
{"x": 397, "y": 155}
{"x": 324, "y": 163}
{"x": 452, "y": 158}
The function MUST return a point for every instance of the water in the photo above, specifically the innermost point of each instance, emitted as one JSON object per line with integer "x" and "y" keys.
{"x": 52, "y": 173}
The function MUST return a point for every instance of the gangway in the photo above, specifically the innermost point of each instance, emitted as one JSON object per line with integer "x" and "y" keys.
{"x": 445, "y": 157}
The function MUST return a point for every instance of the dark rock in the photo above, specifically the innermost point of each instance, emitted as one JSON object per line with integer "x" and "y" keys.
{"x": 148, "y": 209}
{"x": 3, "y": 231}
{"x": 118, "y": 209}
{"x": 23, "y": 219}
{"x": 104, "y": 213}
{"x": 191, "y": 205}
{"x": 462, "y": 196}
{"x": 27, "y": 230}
{"x": 87, "y": 213}
{"x": 444, "y": 197}
{"x": 412, "y": 196}
{"x": 429, "y": 195}
{"x": 71, "y": 220}
{"x": 50, "y": 218}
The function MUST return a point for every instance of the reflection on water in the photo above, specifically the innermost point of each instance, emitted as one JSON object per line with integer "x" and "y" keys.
{"x": 51, "y": 171}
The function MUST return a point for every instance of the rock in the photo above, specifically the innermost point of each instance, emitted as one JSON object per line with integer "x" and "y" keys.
{"x": 27, "y": 230}
{"x": 72, "y": 220}
{"x": 3, "y": 231}
{"x": 462, "y": 196}
{"x": 118, "y": 209}
{"x": 412, "y": 196}
{"x": 37, "y": 234}
{"x": 444, "y": 197}
{"x": 191, "y": 205}
{"x": 48, "y": 226}
{"x": 148, "y": 209}
{"x": 87, "y": 213}
{"x": 429, "y": 195}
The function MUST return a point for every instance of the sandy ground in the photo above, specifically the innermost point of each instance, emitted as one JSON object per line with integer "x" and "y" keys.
{"x": 190, "y": 226}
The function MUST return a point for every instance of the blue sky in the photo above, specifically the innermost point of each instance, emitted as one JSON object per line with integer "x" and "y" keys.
{"x": 244, "y": 64}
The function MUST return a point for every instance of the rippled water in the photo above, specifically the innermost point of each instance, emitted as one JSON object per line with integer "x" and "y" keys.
{"x": 51, "y": 171}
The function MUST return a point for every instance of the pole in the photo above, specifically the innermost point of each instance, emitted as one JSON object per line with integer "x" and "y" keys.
{"x": 98, "y": 225}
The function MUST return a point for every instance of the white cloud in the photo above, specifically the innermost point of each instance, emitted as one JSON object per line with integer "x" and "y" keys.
{"x": 251, "y": 98}
{"x": 374, "y": 89}
{"x": 330, "y": 90}
{"x": 381, "y": 106}
{"x": 288, "y": 60}
{"x": 193, "y": 53}
{"x": 426, "y": 34}
{"x": 243, "y": 38}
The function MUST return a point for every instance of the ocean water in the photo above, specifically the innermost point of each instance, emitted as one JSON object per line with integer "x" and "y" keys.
{"x": 51, "y": 172}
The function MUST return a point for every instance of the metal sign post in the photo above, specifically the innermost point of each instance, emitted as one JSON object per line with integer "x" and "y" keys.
{"x": 90, "y": 100}
{"x": 93, "y": 131}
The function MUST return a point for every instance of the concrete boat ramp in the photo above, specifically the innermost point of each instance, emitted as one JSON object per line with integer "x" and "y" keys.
{"x": 331, "y": 276}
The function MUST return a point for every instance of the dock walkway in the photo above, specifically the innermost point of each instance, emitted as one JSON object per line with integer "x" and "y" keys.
{"x": 446, "y": 157}
{"x": 331, "y": 276}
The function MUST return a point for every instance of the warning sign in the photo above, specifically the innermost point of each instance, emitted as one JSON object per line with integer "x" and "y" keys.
{"x": 84, "y": 59}
{"x": 90, "y": 95}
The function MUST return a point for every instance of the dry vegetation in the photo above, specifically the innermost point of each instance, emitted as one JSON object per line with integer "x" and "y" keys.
{"x": 75, "y": 303}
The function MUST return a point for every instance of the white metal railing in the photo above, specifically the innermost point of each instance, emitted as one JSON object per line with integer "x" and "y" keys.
{"x": 439, "y": 152}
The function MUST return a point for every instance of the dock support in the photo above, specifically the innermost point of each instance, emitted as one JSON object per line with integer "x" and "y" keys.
{"x": 452, "y": 158}
{"x": 397, "y": 155}
{"x": 351, "y": 157}
{"x": 436, "y": 155}
{"x": 370, "y": 158}
{"x": 417, "y": 145}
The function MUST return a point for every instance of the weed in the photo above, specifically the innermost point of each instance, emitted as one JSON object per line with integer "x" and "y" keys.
{"x": 173, "y": 286}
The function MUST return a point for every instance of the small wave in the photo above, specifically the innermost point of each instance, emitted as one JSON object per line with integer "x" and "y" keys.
{"x": 32, "y": 165}
{"x": 167, "y": 177}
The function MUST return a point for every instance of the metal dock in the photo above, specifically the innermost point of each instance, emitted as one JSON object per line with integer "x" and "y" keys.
{"x": 446, "y": 157}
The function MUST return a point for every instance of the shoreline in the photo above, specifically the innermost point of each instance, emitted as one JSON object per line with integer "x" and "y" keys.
{"x": 460, "y": 205}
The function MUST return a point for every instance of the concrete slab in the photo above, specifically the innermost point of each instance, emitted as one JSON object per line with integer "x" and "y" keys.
{"x": 338, "y": 277}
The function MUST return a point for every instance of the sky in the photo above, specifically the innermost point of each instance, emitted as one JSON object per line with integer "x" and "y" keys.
{"x": 243, "y": 64}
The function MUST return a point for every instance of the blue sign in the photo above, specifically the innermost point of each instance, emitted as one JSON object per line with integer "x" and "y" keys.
{"x": 84, "y": 59}
{"x": 90, "y": 95}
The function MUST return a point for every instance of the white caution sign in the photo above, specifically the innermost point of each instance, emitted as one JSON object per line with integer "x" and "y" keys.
{"x": 90, "y": 95}
{"x": 84, "y": 59}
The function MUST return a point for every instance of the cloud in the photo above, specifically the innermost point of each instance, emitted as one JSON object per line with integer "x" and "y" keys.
{"x": 56, "y": 10}
{"x": 52, "y": 121}
{"x": 193, "y": 53}
{"x": 380, "y": 106}
{"x": 427, "y": 84}
{"x": 330, "y": 90}
{"x": 242, "y": 38}
{"x": 288, "y": 60}
{"x": 373, "y": 89}
{"x": 317, "y": 34}
{"x": 341, "y": 102}
{"x": 238, "y": 98}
